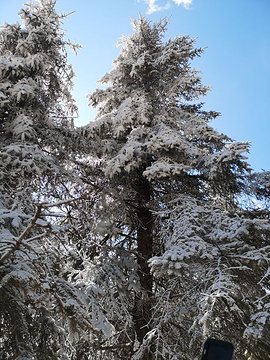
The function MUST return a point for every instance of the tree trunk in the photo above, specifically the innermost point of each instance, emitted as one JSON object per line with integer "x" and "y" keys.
{"x": 142, "y": 310}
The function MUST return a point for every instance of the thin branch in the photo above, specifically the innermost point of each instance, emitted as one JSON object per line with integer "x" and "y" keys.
{"x": 24, "y": 234}
{"x": 113, "y": 347}
{"x": 34, "y": 221}
{"x": 64, "y": 202}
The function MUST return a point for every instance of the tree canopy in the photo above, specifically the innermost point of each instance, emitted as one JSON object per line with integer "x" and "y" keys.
{"x": 138, "y": 235}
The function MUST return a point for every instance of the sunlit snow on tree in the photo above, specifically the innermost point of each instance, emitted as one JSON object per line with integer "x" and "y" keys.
{"x": 139, "y": 235}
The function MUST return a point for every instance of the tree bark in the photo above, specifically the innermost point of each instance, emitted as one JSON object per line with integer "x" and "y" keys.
{"x": 142, "y": 310}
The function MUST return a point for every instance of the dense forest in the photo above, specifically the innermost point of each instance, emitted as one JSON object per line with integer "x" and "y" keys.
{"x": 138, "y": 235}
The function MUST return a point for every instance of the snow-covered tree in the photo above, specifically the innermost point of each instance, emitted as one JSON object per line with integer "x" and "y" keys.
{"x": 163, "y": 224}
{"x": 38, "y": 305}
{"x": 137, "y": 236}
{"x": 216, "y": 271}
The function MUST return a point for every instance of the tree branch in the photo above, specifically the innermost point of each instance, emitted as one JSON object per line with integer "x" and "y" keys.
{"x": 34, "y": 220}
{"x": 23, "y": 235}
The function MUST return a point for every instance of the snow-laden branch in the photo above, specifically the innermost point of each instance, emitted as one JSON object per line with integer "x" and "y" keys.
{"x": 35, "y": 221}
{"x": 22, "y": 237}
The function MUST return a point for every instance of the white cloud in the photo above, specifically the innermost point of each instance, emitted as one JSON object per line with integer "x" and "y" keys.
{"x": 154, "y": 7}
{"x": 185, "y": 3}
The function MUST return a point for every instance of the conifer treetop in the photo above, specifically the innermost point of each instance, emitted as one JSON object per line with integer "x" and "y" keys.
{"x": 150, "y": 117}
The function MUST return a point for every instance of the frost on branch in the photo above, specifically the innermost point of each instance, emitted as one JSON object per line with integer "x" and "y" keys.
{"x": 221, "y": 260}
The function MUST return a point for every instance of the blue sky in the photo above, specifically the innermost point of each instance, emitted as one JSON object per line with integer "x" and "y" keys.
{"x": 236, "y": 62}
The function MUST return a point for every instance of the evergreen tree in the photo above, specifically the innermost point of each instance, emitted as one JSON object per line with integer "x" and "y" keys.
{"x": 215, "y": 275}
{"x": 163, "y": 224}
{"x": 37, "y": 302}
{"x": 137, "y": 236}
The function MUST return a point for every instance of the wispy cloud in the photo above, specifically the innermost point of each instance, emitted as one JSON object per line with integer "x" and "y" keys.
{"x": 185, "y": 3}
{"x": 153, "y": 5}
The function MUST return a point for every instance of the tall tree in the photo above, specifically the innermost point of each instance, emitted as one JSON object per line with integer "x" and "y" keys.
{"x": 155, "y": 143}
{"x": 37, "y": 302}
{"x": 139, "y": 248}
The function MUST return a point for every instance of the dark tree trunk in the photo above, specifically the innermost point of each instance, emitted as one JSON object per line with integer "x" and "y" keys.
{"x": 142, "y": 310}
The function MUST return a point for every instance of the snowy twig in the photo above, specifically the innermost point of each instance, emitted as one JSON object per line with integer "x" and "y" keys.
{"x": 34, "y": 221}
{"x": 116, "y": 346}
{"x": 24, "y": 234}
{"x": 64, "y": 202}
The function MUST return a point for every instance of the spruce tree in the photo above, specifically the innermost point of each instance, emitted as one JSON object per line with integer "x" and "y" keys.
{"x": 155, "y": 144}
{"x": 37, "y": 301}
{"x": 137, "y": 236}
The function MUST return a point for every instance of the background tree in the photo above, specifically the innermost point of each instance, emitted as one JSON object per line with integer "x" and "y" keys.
{"x": 41, "y": 313}
{"x": 162, "y": 159}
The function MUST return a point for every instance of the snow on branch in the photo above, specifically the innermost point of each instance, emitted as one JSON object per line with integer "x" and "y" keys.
{"x": 37, "y": 221}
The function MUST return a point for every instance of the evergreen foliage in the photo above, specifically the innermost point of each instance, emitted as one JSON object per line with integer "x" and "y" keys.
{"x": 174, "y": 187}
{"x": 138, "y": 235}
{"x": 36, "y": 300}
